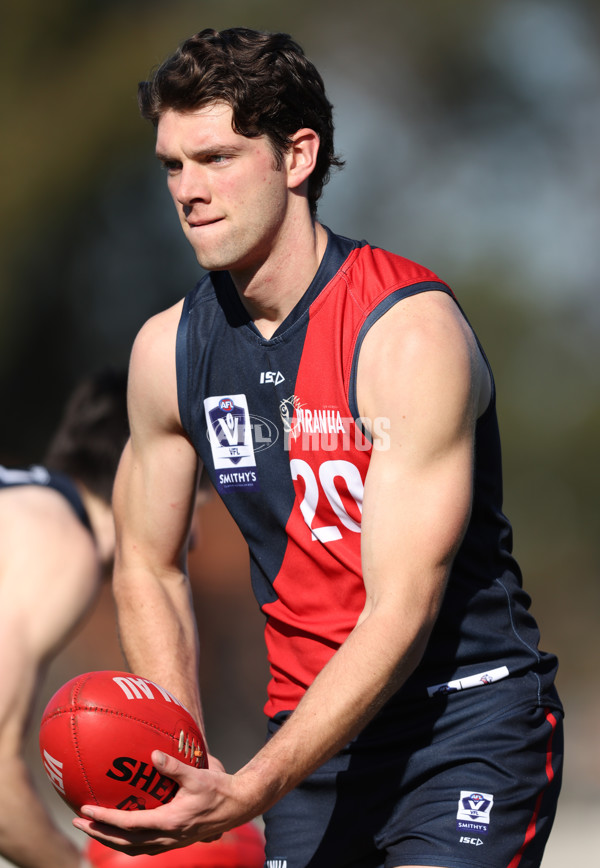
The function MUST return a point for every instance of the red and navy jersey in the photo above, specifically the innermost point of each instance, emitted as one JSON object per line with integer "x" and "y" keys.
{"x": 275, "y": 422}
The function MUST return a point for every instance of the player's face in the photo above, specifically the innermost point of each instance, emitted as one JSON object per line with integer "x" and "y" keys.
{"x": 230, "y": 197}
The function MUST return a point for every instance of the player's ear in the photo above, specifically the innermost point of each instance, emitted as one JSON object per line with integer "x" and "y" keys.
{"x": 301, "y": 157}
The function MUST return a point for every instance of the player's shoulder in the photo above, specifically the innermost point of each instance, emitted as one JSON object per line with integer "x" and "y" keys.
{"x": 387, "y": 271}
{"x": 152, "y": 385}
{"x": 427, "y": 338}
{"x": 36, "y": 517}
{"x": 431, "y": 320}
{"x": 158, "y": 333}
{"x": 35, "y": 503}
{"x": 425, "y": 331}
{"x": 153, "y": 351}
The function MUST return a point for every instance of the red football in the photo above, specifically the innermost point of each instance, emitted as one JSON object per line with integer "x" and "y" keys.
{"x": 243, "y": 847}
{"x": 97, "y": 735}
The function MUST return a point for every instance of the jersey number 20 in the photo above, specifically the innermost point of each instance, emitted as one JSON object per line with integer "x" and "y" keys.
{"x": 329, "y": 471}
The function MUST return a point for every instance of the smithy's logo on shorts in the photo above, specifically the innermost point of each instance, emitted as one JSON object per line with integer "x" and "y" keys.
{"x": 474, "y": 810}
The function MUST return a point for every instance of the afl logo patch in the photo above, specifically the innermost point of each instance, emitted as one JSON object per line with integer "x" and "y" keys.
{"x": 474, "y": 809}
{"x": 229, "y": 431}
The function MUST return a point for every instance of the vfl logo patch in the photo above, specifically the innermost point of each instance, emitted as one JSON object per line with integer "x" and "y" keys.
{"x": 230, "y": 435}
{"x": 474, "y": 810}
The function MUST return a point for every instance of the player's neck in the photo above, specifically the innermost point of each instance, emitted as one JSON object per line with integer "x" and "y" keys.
{"x": 102, "y": 522}
{"x": 271, "y": 292}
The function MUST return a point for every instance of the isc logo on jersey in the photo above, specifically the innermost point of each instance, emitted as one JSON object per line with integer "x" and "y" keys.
{"x": 230, "y": 435}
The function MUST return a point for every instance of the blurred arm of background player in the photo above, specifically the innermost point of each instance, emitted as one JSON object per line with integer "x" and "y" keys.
{"x": 51, "y": 566}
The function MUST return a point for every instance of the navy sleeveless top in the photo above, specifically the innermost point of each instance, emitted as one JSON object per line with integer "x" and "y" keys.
{"x": 275, "y": 422}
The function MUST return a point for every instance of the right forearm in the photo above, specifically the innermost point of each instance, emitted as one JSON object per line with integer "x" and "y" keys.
{"x": 153, "y": 502}
{"x": 158, "y": 631}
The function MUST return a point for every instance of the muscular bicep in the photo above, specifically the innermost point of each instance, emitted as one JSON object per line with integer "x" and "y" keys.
{"x": 153, "y": 503}
{"x": 156, "y": 482}
{"x": 421, "y": 377}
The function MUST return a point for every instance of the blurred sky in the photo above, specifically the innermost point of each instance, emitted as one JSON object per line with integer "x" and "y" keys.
{"x": 470, "y": 130}
{"x": 513, "y": 173}
{"x": 484, "y": 149}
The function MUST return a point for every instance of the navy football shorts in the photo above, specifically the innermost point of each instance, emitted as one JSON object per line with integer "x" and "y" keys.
{"x": 465, "y": 780}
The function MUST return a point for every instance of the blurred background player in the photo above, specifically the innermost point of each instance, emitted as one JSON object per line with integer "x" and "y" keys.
{"x": 57, "y": 546}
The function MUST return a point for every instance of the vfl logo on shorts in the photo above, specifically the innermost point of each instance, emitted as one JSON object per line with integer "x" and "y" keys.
{"x": 474, "y": 810}
{"x": 230, "y": 435}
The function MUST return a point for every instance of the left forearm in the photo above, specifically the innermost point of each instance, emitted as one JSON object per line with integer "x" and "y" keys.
{"x": 158, "y": 631}
{"x": 366, "y": 670}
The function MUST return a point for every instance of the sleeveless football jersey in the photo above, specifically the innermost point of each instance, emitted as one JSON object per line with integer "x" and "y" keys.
{"x": 37, "y": 475}
{"x": 275, "y": 423}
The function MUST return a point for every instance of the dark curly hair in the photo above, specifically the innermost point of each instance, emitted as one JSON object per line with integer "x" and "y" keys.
{"x": 92, "y": 432}
{"x": 271, "y": 86}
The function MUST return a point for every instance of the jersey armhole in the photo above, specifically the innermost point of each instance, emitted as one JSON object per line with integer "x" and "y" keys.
{"x": 182, "y": 364}
{"x": 370, "y": 320}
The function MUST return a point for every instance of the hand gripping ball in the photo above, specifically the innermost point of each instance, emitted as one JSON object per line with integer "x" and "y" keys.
{"x": 97, "y": 735}
{"x": 242, "y": 847}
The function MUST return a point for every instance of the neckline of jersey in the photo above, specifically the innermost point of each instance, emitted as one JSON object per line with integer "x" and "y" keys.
{"x": 336, "y": 252}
